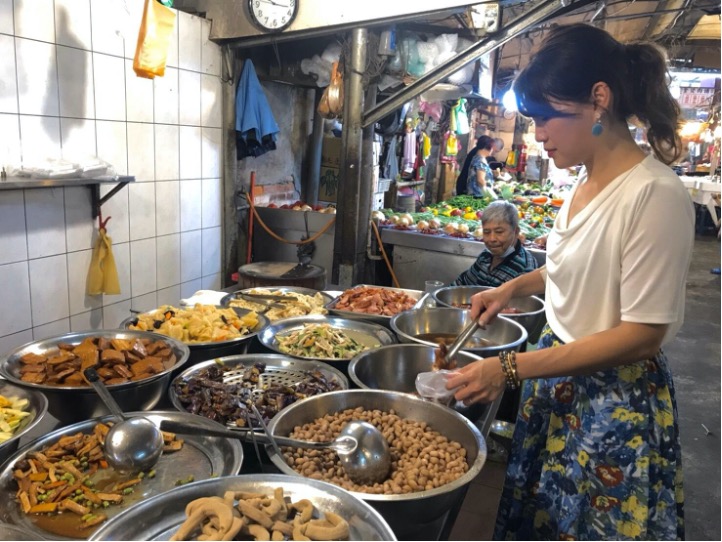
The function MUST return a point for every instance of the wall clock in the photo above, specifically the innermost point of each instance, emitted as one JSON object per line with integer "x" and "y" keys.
{"x": 272, "y": 15}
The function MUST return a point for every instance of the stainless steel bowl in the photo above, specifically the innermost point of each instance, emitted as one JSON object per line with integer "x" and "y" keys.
{"x": 395, "y": 368}
{"x": 218, "y": 349}
{"x": 282, "y": 290}
{"x": 70, "y": 404}
{"x": 532, "y": 316}
{"x": 502, "y": 333}
{"x": 280, "y": 371}
{"x": 159, "y": 518}
{"x": 37, "y": 407}
{"x": 376, "y": 318}
{"x": 368, "y": 334}
{"x": 402, "y": 512}
{"x": 202, "y": 457}
{"x": 457, "y": 296}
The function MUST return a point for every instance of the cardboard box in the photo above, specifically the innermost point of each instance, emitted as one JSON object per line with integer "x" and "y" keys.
{"x": 328, "y": 184}
{"x": 330, "y": 168}
{"x": 331, "y": 152}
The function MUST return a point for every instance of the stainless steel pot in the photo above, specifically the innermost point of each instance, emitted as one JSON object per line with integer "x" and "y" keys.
{"x": 402, "y": 512}
{"x": 71, "y": 404}
{"x": 37, "y": 407}
{"x": 501, "y": 334}
{"x": 395, "y": 368}
{"x": 532, "y": 316}
{"x": 212, "y": 350}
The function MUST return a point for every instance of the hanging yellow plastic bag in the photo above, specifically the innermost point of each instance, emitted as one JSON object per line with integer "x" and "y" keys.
{"x": 151, "y": 51}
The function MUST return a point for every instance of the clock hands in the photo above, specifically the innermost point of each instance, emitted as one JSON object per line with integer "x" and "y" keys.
{"x": 275, "y": 3}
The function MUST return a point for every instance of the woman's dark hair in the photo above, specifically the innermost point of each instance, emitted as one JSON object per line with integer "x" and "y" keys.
{"x": 573, "y": 58}
{"x": 485, "y": 143}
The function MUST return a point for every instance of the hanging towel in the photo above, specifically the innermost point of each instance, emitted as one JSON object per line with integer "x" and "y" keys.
{"x": 102, "y": 275}
{"x": 256, "y": 128}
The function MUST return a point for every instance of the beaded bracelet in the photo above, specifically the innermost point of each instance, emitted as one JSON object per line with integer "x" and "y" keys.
{"x": 508, "y": 367}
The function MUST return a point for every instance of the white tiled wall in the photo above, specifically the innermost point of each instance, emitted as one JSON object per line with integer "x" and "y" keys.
{"x": 67, "y": 89}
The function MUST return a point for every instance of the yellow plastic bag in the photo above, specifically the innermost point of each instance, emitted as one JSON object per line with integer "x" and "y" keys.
{"x": 151, "y": 51}
{"x": 102, "y": 274}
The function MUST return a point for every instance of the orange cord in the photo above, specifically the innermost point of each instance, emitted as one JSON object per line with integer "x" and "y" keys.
{"x": 281, "y": 239}
{"x": 383, "y": 253}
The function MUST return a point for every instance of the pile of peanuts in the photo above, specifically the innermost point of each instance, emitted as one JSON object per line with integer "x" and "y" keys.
{"x": 421, "y": 459}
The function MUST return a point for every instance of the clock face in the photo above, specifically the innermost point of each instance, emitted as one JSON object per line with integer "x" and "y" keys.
{"x": 272, "y": 15}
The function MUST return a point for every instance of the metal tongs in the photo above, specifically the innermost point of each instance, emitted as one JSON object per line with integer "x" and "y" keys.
{"x": 466, "y": 334}
{"x": 270, "y": 301}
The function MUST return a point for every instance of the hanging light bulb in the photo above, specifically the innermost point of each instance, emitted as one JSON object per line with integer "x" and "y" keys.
{"x": 509, "y": 100}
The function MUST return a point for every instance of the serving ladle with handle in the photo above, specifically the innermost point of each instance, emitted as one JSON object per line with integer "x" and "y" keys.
{"x": 361, "y": 448}
{"x": 132, "y": 444}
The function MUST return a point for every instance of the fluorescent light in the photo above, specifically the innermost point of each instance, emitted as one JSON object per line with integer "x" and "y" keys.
{"x": 509, "y": 100}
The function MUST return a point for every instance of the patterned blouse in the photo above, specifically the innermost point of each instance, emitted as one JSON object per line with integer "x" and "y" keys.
{"x": 478, "y": 163}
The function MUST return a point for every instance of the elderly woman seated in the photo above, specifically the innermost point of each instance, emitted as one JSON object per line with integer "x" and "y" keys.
{"x": 504, "y": 258}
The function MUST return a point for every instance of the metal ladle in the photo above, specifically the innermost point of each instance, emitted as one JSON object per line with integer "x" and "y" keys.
{"x": 361, "y": 448}
{"x": 132, "y": 444}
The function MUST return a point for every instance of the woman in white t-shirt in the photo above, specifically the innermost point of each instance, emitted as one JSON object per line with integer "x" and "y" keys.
{"x": 596, "y": 453}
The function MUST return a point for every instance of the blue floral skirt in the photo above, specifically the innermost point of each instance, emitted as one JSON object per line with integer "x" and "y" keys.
{"x": 595, "y": 457}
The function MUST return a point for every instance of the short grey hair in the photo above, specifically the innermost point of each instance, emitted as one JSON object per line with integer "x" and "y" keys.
{"x": 501, "y": 211}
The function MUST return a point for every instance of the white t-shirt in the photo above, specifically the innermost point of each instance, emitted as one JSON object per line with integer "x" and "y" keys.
{"x": 624, "y": 257}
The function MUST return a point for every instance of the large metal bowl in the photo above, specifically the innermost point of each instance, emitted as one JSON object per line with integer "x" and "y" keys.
{"x": 37, "y": 407}
{"x": 376, "y": 318}
{"x": 395, "y": 368}
{"x": 280, "y": 371}
{"x": 368, "y": 334}
{"x": 402, "y": 512}
{"x": 202, "y": 457}
{"x": 211, "y": 350}
{"x": 502, "y": 333}
{"x": 457, "y": 296}
{"x": 281, "y": 290}
{"x": 532, "y": 316}
{"x": 70, "y": 404}
{"x": 159, "y": 518}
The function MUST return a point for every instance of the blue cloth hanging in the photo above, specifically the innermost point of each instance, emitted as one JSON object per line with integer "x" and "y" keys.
{"x": 256, "y": 128}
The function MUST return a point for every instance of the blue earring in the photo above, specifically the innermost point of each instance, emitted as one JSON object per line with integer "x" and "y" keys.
{"x": 598, "y": 127}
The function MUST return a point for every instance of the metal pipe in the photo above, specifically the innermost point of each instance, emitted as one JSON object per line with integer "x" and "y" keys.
{"x": 346, "y": 241}
{"x": 521, "y": 24}
{"x": 314, "y": 154}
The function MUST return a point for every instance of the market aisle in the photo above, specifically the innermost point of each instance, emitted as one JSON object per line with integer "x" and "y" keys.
{"x": 695, "y": 360}
{"x": 694, "y": 357}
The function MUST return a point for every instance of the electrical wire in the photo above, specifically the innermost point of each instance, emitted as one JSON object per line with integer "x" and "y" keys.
{"x": 281, "y": 239}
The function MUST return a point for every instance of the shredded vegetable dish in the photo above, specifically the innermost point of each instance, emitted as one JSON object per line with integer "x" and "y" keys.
{"x": 197, "y": 324}
{"x": 12, "y": 411}
{"x": 321, "y": 341}
{"x": 303, "y": 305}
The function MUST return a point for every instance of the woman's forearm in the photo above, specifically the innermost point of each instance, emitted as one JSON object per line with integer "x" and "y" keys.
{"x": 531, "y": 283}
{"x": 626, "y": 343}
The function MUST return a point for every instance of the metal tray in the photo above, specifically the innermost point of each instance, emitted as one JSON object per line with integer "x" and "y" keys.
{"x": 262, "y": 323}
{"x": 281, "y": 370}
{"x": 201, "y": 456}
{"x": 159, "y": 518}
{"x": 379, "y": 319}
{"x": 367, "y": 333}
{"x": 283, "y": 290}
